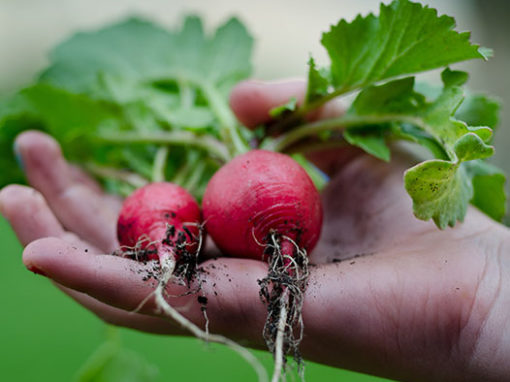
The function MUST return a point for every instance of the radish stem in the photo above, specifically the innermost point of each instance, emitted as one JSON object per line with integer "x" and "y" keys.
{"x": 128, "y": 177}
{"x": 158, "y": 170}
{"x": 178, "y": 138}
{"x": 230, "y": 132}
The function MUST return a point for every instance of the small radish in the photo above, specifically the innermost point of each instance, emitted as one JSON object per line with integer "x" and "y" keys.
{"x": 263, "y": 205}
{"x": 162, "y": 222}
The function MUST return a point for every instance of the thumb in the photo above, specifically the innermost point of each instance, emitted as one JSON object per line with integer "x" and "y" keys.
{"x": 251, "y": 102}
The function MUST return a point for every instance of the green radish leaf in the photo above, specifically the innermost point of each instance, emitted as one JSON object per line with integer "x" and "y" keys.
{"x": 392, "y": 97}
{"x": 371, "y": 139}
{"x": 476, "y": 110}
{"x": 278, "y": 111}
{"x": 440, "y": 190}
{"x": 228, "y": 54}
{"x": 405, "y": 38}
{"x": 132, "y": 50}
{"x": 72, "y": 119}
{"x": 137, "y": 52}
{"x": 453, "y": 77}
{"x": 479, "y": 110}
{"x": 194, "y": 117}
{"x": 470, "y": 147}
{"x": 318, "y": 82}
{"x": 137, "y": 78}
{"x": 411, "y": 133}
{"x": 489, "y": 188}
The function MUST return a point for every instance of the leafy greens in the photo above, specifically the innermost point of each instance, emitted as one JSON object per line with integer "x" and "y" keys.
{"x": 408, "y": 38}
{"x": 125, "y": 99}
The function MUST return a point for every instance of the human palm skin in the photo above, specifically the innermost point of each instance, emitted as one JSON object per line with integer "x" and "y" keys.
{"x": 388, "y": 295}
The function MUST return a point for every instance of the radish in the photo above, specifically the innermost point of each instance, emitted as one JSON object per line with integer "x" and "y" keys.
{"x": 162, "y": 222}
{"x": 263, "y": 205}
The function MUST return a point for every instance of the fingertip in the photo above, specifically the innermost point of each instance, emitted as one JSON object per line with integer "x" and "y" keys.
{"x": 35, "y": 254}
{"x": 28, "y": 214}
{"x": 245, "y": 103}
{"x": 36, "y": 141}
{"x": 44, "y": 164}
{"x": 9, "y": 197}
{"x": 252, "y": 100}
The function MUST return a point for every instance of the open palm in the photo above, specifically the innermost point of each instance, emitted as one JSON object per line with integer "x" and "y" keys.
{"x": 389, "y": 295}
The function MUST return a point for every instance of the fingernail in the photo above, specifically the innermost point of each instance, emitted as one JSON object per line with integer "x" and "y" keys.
{"x": 34, "y": 269}
{"x": 18, "y": 157}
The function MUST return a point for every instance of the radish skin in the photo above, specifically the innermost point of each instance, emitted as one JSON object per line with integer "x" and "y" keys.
{"x": 258, "y": 193}
{"x": 148, "y": 213}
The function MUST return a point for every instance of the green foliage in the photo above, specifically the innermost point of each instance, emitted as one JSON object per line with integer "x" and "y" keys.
{"x": 139, "y": 53}
{"x": 111, "y": 97}
{"x": 318, "y": 83}
{"x": 371, "y": 139}
{"x": 488, "y": 188}
{"x": 479, "y": 110}
{"x": 406, "y": 38}
{"x": 114, "y": 97}
{"x": 440, "y": 191}
{"x": 282, "y": 109}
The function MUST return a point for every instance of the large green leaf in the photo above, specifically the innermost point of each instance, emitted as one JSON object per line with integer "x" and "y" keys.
{"x": 138, "y": 52}
{"x": 405, "y": 38}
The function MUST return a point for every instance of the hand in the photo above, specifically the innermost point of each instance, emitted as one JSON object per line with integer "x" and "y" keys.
{"x": 391, "y": 296}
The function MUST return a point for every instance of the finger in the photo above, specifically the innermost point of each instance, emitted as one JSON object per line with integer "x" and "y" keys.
{"x": 80, "y": 176}
{"x": 119, "y": 317}
{"x": 29, "y": 216}
{"x": 78, "y": 207}
{"x": 251, "y": 101}
{"x": 230, "y": 286}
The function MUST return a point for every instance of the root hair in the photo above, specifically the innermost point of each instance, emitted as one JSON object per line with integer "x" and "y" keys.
{"x": 283, "y": 290}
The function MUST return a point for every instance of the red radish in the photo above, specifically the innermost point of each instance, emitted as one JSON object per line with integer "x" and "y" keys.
{"x": 258, "y": 194}
{"x": 161, "y": 221}
{"x": 158, "y": 219}
{"x": 263, "y": 205}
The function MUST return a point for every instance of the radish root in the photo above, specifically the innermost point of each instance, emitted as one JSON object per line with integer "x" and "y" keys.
{"x": 283, "y": 290}
{"x": 280, "y": 337}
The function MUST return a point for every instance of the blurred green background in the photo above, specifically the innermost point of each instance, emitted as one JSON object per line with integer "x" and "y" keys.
{"x": 44, "y": 335}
